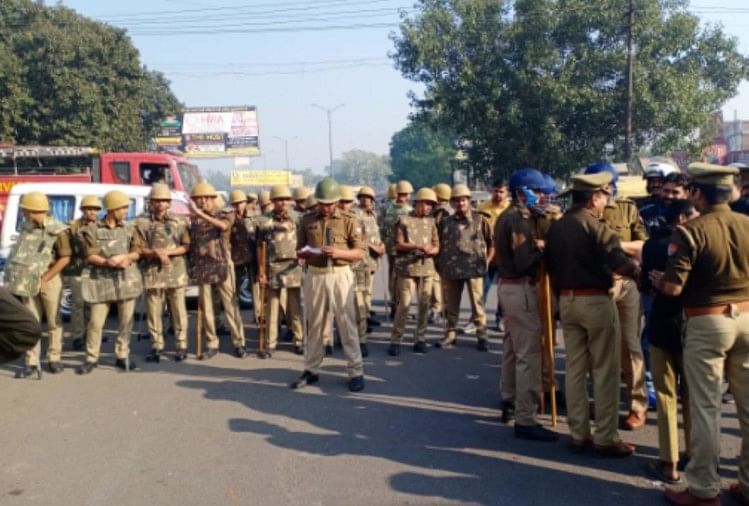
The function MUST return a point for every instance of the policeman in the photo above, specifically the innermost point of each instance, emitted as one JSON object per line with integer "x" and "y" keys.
{"x": 210, "y": 264}
{"x": 252, "y": 209}
{"x": 90, "y": 207}
{"x": 441, "y": 210}
{"x": 519, "y": 244}
{"x": 264, "y": 202}
{"x": 242, "y": 240}
{"x": 300, "y": 198}
{"x": 466, "y": 248}
{"x": 366, "y": 269}
{"x": 581, "y": 251}
{"x": 742, "y": 204}
{"x": 166, "y": 241}
{"x": 33, "y": 271}
{"x": 416, "y": 245}
{"x": 329, "y": 243}
{"x": 112, "y": 250}
{"x": 397, "y": 208}
{"x": 709, "y": 268}
{"x": 278, "y": 231}
{"x": 621, "y": 215}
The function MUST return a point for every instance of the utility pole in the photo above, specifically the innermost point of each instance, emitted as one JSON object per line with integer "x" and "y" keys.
{"x": 630, "y": 79}
{"x": 329, "y": 111}
{"x": 285, "y": 141}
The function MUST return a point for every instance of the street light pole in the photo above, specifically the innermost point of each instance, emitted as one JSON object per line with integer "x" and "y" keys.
{"x": 285, "y": 141}
{"x": 329, "y": 111}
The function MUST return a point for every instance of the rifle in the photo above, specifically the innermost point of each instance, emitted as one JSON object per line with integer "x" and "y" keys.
{"x": 262, "y": 262}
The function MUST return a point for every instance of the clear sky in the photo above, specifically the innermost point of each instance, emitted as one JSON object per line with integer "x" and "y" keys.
{"x": 233, "y": 52}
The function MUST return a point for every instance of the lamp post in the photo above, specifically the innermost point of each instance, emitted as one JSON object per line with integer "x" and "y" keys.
{"x": 285, "y": 141}
{"x": 329, "y": 111}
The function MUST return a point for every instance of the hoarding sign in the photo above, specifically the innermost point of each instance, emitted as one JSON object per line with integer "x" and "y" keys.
{"x": 218, "y": 132}
{"x": 260, "y": 177}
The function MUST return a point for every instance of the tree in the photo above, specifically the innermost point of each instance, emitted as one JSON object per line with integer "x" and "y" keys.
{"x": 422, "y": 155}
{"x": 357, "y": 167}
{"x": 543, "y": 82}
{"x": 66, "y": 79}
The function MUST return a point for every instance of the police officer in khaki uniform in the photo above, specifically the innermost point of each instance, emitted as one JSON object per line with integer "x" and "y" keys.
{"x": 211, "y": 265}
{"x": 581, "y": 251}
{"x": 519, "y": 249}
{"x": 71, "y": 274}
{"x": 394, "y": 210}
{"x": 242, "y": 240}
{"x": 33, "y": 271}
{"x": 366, "y": 269}
{"x": 329, "y": 243}
{"x": 442, "y": 209}
{"x": 264, "y": 202}
{"x": 283, "y": 273}
{"x": 466, "y": 248}
{"x": 416, "y": 245}
{"x": 112, "y": 251}
{"x": 708, "y": 266}
{"x": 622, "y": 216}
{"x": 300, "y": 193}
{"x": 252, "y": 209}
{"x": 166, "y": 241}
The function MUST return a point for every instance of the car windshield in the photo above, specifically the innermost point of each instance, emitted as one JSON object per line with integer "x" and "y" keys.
{"x": 189, "y": 174}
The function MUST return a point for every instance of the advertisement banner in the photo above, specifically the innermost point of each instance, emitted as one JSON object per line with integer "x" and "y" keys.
{"x": 218, "y": 132}
{"x": 260, "y": 177}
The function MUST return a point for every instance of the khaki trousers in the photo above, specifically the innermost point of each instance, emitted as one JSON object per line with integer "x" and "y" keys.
{"x": 99, "y": 312}
{"x": 363, "y": 297}
{"x": 230, "y": 304}
{"x": 331, "y": 292}
{"x": 627, "y": 299}
{"x": 405, "y": 287}
{"x": 591, "y": 339}
{"x": 77, "y": 305}
{"x": 436, "y": 294}
{"x": 47, "y": 304}
{"x": 667, "y": 368}
{"x": 521, "y": 357}
{"x": 712, "y": 343}
{"x": 453, "y": 294}
{"x": 291, "y": 305}
{"x": 175, "y": 298}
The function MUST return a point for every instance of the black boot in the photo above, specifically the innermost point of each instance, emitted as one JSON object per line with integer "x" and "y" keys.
{"x": 508, "y": 412}
{"x": 154, "y": 357}
{"x": 394, "y": 349}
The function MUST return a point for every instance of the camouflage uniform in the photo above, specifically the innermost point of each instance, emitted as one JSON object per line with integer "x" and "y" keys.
{"x": 413, "y": 269}
{"x": 71, "y": 277}
{"x": 439, "y": 212}
{"x": 164, "y": 281}
{"x": 37, "y": 249}
{"x": 242, "y": 239}
{"x": 387, "y": 232}
{"x": 364, "y": 271}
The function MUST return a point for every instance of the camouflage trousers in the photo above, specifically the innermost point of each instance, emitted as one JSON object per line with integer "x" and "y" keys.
{"x": 175, "y": 298}
{"x": 77, "y": 306}
{"x": 47, "y": 305}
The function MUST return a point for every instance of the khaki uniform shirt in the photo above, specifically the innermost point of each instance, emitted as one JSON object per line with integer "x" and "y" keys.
{"x": 312, "y": 233}
{"x": 464, "y": 241}
{"x": 515, "y": 236}
{"x": 709, "y": 257}
{"x": 414, "y": 230}
{"x": 625, "y": 219}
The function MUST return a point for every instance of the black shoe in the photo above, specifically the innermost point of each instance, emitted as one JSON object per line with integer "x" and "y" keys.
{"x": 420, "y": 347}
{"x": 154, "y": 357}
{"x": 87, "y": 368}
{"x": 299, "y": 349}
{"x": 209, "y": 354}
{"x": 483, "y": 345}
{"x": 79, "y": 343}
{"x": 55, "y": 367}
{"x": 328, "y": 350}
{"x": 373, "y": 322}
{"x": 180, "y": 355}
{"x": 121, "y": 363}
{"x": 356, "y": 384}
{"x": 307, "y": 378}
{"x": 535, "y": 433}
{"x": 394, "y": 349}
{"x": 364, "y": 350}
{"x": 28, "y": 371}
{"x": 264, "y": 354}
{"x": 508, "y": 412}
{"x": 240, "y": 352}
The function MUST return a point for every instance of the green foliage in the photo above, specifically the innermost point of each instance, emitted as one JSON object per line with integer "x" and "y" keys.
{"x": 421, "y": 155}
{"x": 357, "y": 167}
{"x": 69, "y": 80}
{"x": 543, "y": 82}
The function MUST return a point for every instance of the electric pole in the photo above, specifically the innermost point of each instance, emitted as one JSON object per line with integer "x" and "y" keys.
{"x": 329, "y": 111}
{"x": 285, "y": 141}
{"x": 630, "y": 79}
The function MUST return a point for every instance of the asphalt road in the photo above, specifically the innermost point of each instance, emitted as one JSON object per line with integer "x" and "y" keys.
{"x": 425, "y": 430}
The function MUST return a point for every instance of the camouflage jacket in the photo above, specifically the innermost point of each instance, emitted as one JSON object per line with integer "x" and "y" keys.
{"x": 419, "y": 231}
{"x": 370, "y": 233}
{"x": 167, "y": 234}
{"x": 242, "y": 239}
{"x": 31, "y": 256}
{"x": 280, "y": 234}
{"x": 78, "y": 247}
{"x": 108, "y": 284}
{"x": 209, "y": 251}
{"x": 387, "y": 231}
{"x": 463, "y": 246}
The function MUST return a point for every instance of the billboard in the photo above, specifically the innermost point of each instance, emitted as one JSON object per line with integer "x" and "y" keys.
{"x": 220, "y": 132}
{"x": 260, "y": 177}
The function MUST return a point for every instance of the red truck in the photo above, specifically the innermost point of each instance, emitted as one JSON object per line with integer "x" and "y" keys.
{"x": 36, "y": 164}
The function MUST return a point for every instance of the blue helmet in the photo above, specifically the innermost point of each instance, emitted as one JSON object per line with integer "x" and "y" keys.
{"x": 597, "y": 167}
{"x": 526, "y": 178}
{"x": 550, "y": 187}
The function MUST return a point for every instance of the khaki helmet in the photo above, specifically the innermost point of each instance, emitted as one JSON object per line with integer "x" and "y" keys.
{"x": 327, "y": 191}
{"x": 391, "y": 191}
{"x": 301, "y": 193}
{"x": 426, "y": 194}
{"x": 460, "y": 190}
{"x": 366, "y": 191}
{"x": 346, "y": 193}
{"x": 280, "y": 191}
{"x": 203, "y": 189}
{"x": 311, "y": 202}
{"x": 90, "y": 201}
{"x": 251, "y": 197}
{"x": 160, "y": 191}
{"x": 220, "y": 202}
{"x": 443, "y": 191}
{"x": 35, "y": 201}
{"x": 237, "y": 196}
{"x": 264, "y": 198}
{"x": 404, "y": 187}
{"x": 115, "y": 200}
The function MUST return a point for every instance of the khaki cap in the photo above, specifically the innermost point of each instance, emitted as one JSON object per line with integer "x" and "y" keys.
{"x": 346, "y": 193}
{"x": 203, "y": 189}
{"x": 708, "y": 173}
{"x": 404, "y": 187}
{"x": 91, "y": 201}
{"x": 426, "y": 194}
{"x": 160, "y": 191}
{"x": 590, "y": 182}
{"x": 237, "y": 196}
{"x": 310, "y": 202}
{"x": 264, "y": 198}
{"x": 460, "y": 190}
{"x": 280, "y": 191}
{"x": 366, "y": 191}
{"x": 116, "y": 200}
{"x": 301, "y": 193}
{"x": 251, "y": 196}
{"x": 443, "y": 191}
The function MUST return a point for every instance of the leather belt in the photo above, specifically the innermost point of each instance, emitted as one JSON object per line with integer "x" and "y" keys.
{"x": 739, "y": 307}
{"x": 516, "y": 281}
{"x": 583, "y": 292}
{"x": 325, "y": 270}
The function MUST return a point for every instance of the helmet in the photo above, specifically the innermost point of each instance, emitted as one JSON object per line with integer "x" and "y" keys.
{"x": 460, "y": 190}
{"x": 203, "y": 189}
{"x": 220, "y": 202}
{"x": 115, "y": 200}
{"x": 160, "y": 191}
{"x": 280, "y": 191}
{"x": 237, "y": 196}
{"x": 443, "y": 191}
{"x": 346, "y": 193}
{"x": 327, "y": 191}
{"x": 90, "y": 201}
{"x": 301, "y": 193}
{"x": 311, "y": 202}
{"x": 551, "y": 185}
{"x": 392, "y": 193}
{"x": 251, "y": 196}
{"x": 426, "y": 194}
{"x": 527, "y": 177}
{"x": 598, "y": 167}
{"x": 264, "y": 198}
{"x": 366, "y": 191}
{"x": 34, "y": 201}
{"x": 404, "y": 187}
{"x": 659, "y": 169}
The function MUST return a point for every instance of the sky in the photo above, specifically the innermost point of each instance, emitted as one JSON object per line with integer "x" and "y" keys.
{"x": 233, "y": 52}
